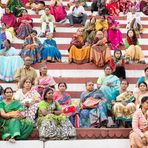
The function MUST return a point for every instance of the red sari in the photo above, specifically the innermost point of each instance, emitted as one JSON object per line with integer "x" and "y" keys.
{"x": 10, "y": 20}
{"x": 113, "y": 8}
{"x": 24, "y": 29}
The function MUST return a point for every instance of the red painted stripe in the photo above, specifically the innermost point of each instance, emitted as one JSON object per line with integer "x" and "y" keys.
{"x": 66, "y": 46}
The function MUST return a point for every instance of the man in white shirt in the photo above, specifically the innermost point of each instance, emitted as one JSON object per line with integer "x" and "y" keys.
{"x": 77, "y": 14}
{"x": 48, "y": 22}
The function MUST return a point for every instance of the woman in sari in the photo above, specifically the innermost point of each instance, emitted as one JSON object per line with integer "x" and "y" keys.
{"x": 96, "y": 115}
{"x": 144, "y": 78}
{"x": 139, "y": 135}
{"x": 101, "y": 24}
{"x": 89, "y": 30}
{"x": 65, "y": 100}
{"x": 79, "y": 51}
{"x": 123, "y": 106}
{"x": 125, "y": 5}
{"x": 10, "y": 62}
{"x": 32, "y": 47}
{"x": 25, "y": 25}
{"x": 14, "y": 124}
{"x": 44, "y": 80}
{"x": 9, "y": 19}
{"x": 113, "y": 7}
{"x": 52, "y": 123}
{"x": 144, "y": 6}
{"x": 16, "y": 6}
{"x": 108, "y": 84}
{"x": 114, "y": 33}
{"x": 117, "y": 64}
{"x": 50, "y": 53}
{"x": 58, "y": 11}
{"x": 100, "y": 52}
{"x": 142, "y": 91}
{"x": 133, "y": 52}
{"x": 28, "y": 97}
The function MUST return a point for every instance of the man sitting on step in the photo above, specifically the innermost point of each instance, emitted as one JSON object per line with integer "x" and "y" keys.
{"x": 77, "y": 14}
{"x": 47, "y": 23}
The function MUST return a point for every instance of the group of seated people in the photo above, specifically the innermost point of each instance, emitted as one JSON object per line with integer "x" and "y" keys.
{"x": 37, "y": 103}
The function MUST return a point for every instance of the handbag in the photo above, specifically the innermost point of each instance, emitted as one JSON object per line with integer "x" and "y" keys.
{"x": 91, "y": 103}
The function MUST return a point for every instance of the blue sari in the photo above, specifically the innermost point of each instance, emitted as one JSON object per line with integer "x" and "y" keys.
{"x": 9, "y": 64}
{"x": 93, "y": 117}
{"x": 109, "y": 90}
{"x": 50, "y": 51}
{"x": 33, "y": 52}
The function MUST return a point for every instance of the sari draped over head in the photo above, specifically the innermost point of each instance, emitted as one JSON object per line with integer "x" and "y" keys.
{"x": 58, "y": 12}
{"x": 10, "y": 20}
{"x": 54, "y": 126}
{"x": 24, "y": 29}
{"x": 108, "y": 90}
{"x": 114, "y": 35}
{"x": 50, "y": 51}
{"x": 14, "y": 128}
{"x": 100, "y": 53}
{"x": 95, "y": 116}
{"x": 32, "y": 97}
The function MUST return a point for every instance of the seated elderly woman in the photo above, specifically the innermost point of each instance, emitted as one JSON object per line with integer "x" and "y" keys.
{"x": 14, "y": 124}
{"x": 79, "y": 51}
{"x": 28, "y": 97}
{"x": 52, "y": 123}
{"x": 108, "y": 84}
{"x": 44, "y": 80}
{"x": 100, "y": 52}
{"x": 139, "y": 135}
{"x": 93, "y": 109}
{"x": 50, "y": 52}
{"x": 10, "y": 61}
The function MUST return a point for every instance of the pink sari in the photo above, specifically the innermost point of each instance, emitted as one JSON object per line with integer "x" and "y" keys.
{"x": 24, "y": 2}
{"x": 47, "y": 81}
{"x": 9, "y": 20}
{"x": 58, "y": 12}
{"x": 114, "y": 35}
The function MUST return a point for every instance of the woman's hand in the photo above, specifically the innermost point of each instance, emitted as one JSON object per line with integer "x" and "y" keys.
{"x": 27, "y": 104}
{"x": 57, "y": 112}
{"x": 144, "y": 140}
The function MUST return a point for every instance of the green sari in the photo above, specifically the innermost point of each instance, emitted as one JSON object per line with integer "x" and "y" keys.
{"x": 13, "y": 4}
{"x": 14, "y": 128}
{"x": 55, "y": 127}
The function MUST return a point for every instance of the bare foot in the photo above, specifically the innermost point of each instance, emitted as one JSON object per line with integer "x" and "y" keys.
{"x": 11, "y": 140}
